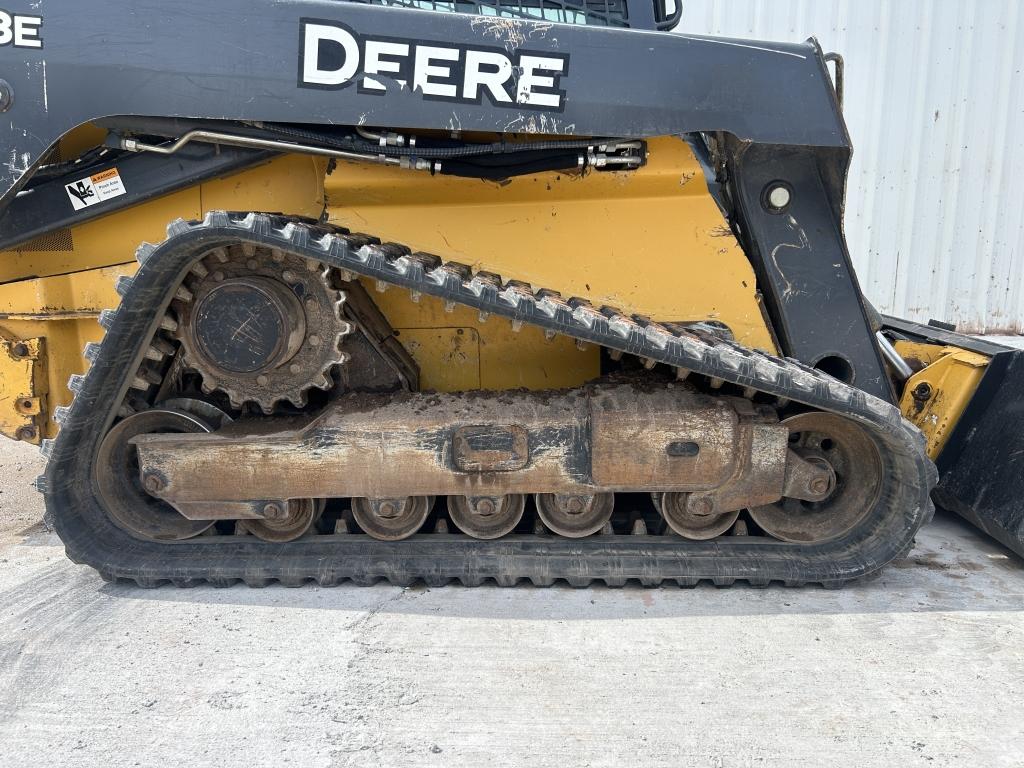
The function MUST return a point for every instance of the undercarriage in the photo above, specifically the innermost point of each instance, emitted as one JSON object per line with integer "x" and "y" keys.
{"x": 250, "y": 416}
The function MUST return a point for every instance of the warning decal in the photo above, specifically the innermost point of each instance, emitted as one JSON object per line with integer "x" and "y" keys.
{"x": 95, "y": 189}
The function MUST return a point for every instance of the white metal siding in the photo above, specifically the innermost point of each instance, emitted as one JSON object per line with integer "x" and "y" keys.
{"x": 935, "y": 105}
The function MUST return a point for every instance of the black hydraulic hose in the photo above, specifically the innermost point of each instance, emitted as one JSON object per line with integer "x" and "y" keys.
{"x": 422, "y": 149}
{"x": 494, "y": 172}
{"x": 521, "y": 158}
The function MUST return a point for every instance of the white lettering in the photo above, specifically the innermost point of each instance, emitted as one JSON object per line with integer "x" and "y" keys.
{"x": 425, "y": 70}
{"x": 315, "y": 35}
{"x": 333, "y": 56}
{"x": 529, "y": 80}
{"x": 26, "y": 32}
{"x": 494, "y": 80}
{"x": 375, "y": 64}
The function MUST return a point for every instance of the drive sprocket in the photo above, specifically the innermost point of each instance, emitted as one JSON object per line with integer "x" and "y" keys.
{"x": 261, "y": 326}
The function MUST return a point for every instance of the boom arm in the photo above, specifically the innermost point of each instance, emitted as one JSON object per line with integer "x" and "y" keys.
{"x": 242, "y": 60}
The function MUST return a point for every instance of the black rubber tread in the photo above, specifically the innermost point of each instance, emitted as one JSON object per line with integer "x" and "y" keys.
{"x": 91, "y": 538}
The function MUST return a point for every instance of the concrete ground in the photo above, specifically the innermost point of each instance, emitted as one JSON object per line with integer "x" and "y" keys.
{"x": 922, "y": 667}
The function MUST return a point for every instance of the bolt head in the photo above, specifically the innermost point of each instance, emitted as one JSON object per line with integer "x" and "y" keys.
{"x": 273, "y": 511}
{"x": 153, "y": 483}
{"x": 779, "y": 197}
{"x": 818, "y": 485}
{"x": 701, "y": 505}
{"x": 486, "y": 507}
{"x": 25, "y": 433}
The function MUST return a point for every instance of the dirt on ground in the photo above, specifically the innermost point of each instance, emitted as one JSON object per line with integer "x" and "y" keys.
{"x": 21, "y": 508}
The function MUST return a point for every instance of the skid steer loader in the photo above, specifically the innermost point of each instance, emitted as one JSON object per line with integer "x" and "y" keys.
{"x": 457, "y": 291}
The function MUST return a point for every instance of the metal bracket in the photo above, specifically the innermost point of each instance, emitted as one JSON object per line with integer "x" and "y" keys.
{"x": 23, "y": 371}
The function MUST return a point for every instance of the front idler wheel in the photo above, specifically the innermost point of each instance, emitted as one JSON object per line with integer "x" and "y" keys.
{"x": 131, "y": 503}
{"x": 486, "y": 517}
{"x": 392, "y": 519}
{"x": 837, "y": 444}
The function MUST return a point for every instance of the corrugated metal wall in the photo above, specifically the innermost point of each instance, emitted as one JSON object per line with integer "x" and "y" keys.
{"x": 935, "y": 104}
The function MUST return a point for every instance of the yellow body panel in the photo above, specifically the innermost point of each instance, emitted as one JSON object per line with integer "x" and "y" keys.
{"x": 952, "y": 376}
{"x": 63, "y": 297}
{"x": 456, "y": 352}
{"x": 651, "y": 242}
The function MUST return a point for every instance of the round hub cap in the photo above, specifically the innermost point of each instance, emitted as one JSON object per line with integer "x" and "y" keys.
{"x": 247, "y": 325}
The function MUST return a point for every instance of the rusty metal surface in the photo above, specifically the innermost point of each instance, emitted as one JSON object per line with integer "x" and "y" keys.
{"x": 854, "y": 476}
{"x": 23, "y": 399}
{"x": 695, "y": 517}
{"x": 390, "y": 447}
{"x": 575, "y": 515}
{"x": 637, "y": 436}
{"x": 392, "y": 519}
{"x": 283, "y": 522}
{"x": 490, "y": 448}
{"x": 487, "y": 517}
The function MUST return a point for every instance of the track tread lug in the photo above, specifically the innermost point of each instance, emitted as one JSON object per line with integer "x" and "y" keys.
{"x": 91, "y": 351}
{"x": 107, "y": 318}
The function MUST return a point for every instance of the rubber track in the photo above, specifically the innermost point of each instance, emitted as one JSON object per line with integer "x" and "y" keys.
{"x": 90, "y": 537}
